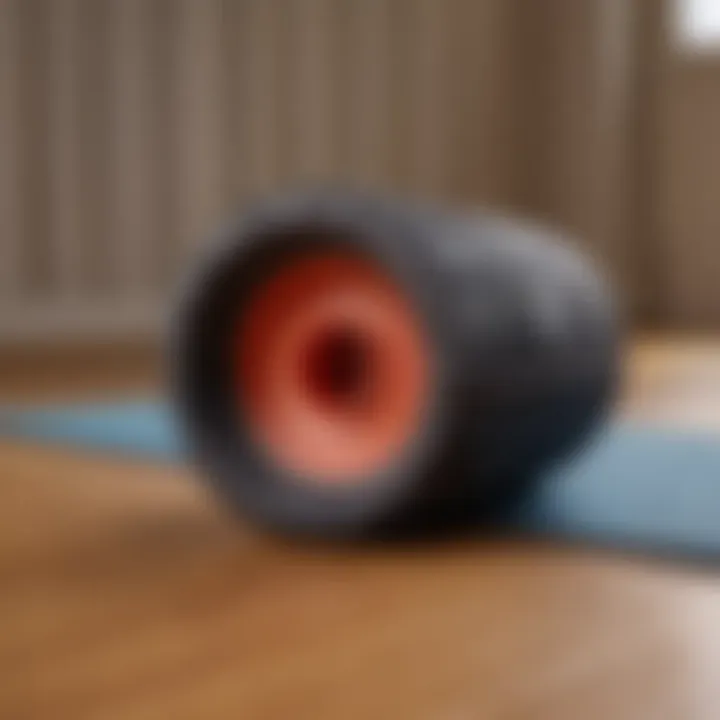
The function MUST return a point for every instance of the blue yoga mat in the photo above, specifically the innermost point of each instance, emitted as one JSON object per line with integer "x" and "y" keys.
{"x": 634, "y": 488}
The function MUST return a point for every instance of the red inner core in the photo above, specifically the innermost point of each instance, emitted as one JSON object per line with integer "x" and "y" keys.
{"x": 332, "y": 368}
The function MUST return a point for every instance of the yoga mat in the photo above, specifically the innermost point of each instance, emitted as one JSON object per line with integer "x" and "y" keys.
{"x": 633, "y": 488}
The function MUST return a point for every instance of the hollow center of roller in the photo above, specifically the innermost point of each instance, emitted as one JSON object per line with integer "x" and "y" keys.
{"x": 333, "y": 368}
{"x": 339, "y": 371}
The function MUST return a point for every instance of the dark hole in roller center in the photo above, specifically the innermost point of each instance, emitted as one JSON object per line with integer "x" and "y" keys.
{"x": 340, "y": 370}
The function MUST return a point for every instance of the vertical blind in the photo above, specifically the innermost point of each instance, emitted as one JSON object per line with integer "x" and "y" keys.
{"x": 128, "y": 128}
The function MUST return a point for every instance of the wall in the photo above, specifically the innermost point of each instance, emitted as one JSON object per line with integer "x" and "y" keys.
{"x": 687, "y": 211}
{"x": 130, "y": 127}
{"x": 582, "y": 109}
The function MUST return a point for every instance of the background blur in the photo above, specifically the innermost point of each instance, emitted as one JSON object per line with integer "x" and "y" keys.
{"x": 130, "y": 128}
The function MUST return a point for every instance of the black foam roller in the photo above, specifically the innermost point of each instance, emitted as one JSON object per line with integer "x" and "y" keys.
{"x": 517, "y": 325}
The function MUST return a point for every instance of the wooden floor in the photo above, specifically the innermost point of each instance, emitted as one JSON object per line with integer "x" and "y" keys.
{"x": 126, "y": 594}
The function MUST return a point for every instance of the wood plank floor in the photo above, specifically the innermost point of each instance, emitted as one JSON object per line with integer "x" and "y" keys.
{"x": 126, "y": 594}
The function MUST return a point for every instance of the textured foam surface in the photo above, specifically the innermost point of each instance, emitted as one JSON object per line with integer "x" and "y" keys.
{"x": 635, "y": 488}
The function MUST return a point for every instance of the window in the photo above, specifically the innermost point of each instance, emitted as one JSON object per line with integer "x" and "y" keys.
{"x": 697, "y": 23}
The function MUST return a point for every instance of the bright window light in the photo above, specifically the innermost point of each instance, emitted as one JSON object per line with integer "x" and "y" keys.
{"x": 698, "y": 23}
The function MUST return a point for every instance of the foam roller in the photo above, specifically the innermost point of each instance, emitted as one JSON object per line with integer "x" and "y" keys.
{"x": 345, "y": 363}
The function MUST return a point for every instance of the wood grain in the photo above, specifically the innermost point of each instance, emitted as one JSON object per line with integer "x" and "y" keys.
{"x": 127, "y": 594}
